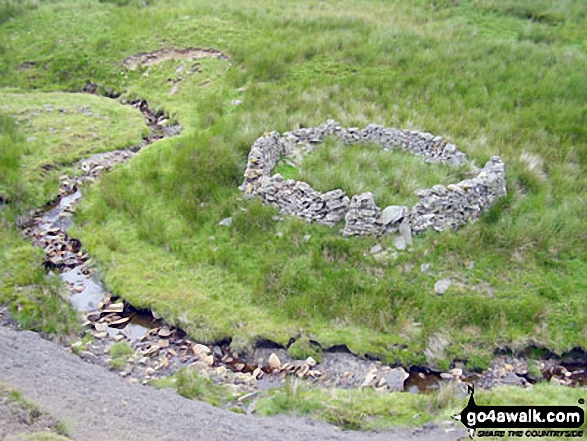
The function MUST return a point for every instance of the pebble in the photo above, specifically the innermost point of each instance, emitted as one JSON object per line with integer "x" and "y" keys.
{"x": 442, "y": 286}
{"x": 274, "y": 362}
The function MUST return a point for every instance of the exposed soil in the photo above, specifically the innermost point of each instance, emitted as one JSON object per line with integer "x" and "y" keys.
{"x": 145, "y": 59}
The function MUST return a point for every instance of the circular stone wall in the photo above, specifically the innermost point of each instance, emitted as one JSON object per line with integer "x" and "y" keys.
{"x": 438, "y": 207}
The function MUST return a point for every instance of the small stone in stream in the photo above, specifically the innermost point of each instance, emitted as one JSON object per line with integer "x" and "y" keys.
{"x": 446, "y": 376}
{"x": 310, "y": 362}
{"x": 303, "y": 371}
{"x": 114, "y": 307}
{"x": 164, "y": 332}
{"x": 442, "y": 286}
{"x": 199, "y": 366}
{"x": 100, "y": 335}
{"x": 119, "y": 337}
{"x": 257, "y": 373}
{"x": 315, "y": 373}
{"x": 274, "y": 361}
{"x": 209, "y": 360}
{"x": 163, "y": 364}
{"x": 376, "y": 249}
{"x": 240, "y": 378}
{"x": 399, "y": 242}
{"x": 395, "y": 379}
{"x": 513, "y": 379}
{"x": 101, "y": 327}
{"x": 201, "y": 350}
{"x": 152, "y": 350}
{"x": 119, "y": 322}
{"x": 456, "y": 372}
{"x": 369, "y": 380}
{"x": 164, "y": 343}
{"x": 221, "y": 371}
{"x": 239, "y": 366}
{"x": 226, "y": 222}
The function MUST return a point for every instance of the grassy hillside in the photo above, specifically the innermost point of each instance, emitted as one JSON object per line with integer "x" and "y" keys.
{"x": 493, "y": 77}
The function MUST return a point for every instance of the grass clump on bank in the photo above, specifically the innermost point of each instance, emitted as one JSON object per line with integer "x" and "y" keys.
{"x": 120, "y": 352}
{"x": 190, "y": 384}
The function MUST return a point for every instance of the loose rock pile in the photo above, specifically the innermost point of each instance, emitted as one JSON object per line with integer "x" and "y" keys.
{"x": 439, "y": 208}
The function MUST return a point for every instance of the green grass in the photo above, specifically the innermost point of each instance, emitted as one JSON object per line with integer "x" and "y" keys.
{"x": 35, "y": 299}
{"x": 120, "y": 352}
{"x": 493, "y": 77}
{"x": 56, "y": 129}
{"x": 392, "y": 176}
{"x": 191, "y": 384}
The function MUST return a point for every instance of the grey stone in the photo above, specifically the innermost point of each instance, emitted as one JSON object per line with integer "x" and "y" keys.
{"x": 406, "y": 232}
{"x": 392, "y": 214}
{"x": 399, "y": 242}
{"x": 395, "y": 379}
{"x": 226, "y": 222}
{"x": 376, "y": 249}
{"x": 442, "y": 286}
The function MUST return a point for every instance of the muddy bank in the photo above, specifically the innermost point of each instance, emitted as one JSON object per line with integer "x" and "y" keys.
{"x": 146, "y": 59}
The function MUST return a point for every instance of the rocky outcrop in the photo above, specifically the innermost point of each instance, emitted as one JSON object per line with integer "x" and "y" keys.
{"x": 439, "y": 207}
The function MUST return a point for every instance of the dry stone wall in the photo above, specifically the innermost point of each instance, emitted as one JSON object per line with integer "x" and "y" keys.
{"x": 439, "y": 207}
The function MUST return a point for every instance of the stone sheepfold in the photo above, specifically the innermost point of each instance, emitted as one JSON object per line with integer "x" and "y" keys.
{"x": 438, "y": 208}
